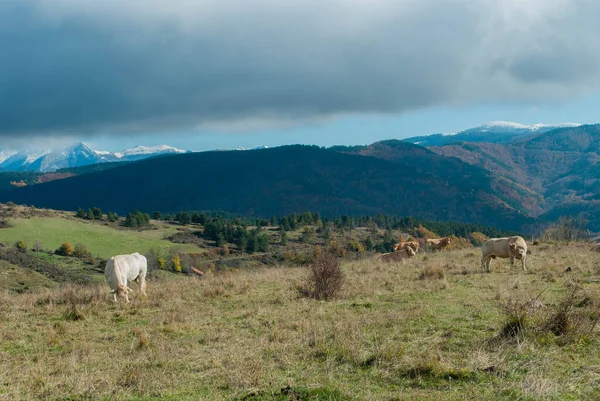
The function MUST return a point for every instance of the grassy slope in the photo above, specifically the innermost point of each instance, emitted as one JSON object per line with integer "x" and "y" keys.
{"x": 15, "y": 278}
{"x": 100, "y": 240}
{"x": 389, "y": 336}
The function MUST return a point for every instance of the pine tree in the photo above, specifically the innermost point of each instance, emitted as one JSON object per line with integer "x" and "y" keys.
{"x": 284, "y": 238}
{"x": 97, "y": 213}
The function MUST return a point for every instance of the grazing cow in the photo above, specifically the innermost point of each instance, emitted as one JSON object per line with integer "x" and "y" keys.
{"x": 123, "y": 268}
{"x": 397, "y": 256}
{"x": 414, "y": 245}
{"x": 439, "y": 243}
{"x": 507, "y": 247}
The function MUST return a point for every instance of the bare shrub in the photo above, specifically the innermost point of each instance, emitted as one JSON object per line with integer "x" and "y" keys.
{"x": 38, "y": 246}
{"x": 325, "y": 277}
{"x": 142, "y": 339}
{"x": 567, "y": 229}
{"x": 574, "y": 318}
{"x": 432, "y": 273}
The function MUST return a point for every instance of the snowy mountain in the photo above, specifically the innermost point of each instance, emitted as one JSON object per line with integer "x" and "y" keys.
{"x": 494, "y": 132}
{"x": 142, "y": 152}
{"x": 20, "y": 161}
{"x": 73, "y": 156}
{"x": 76, "y": 156}
{"x": 5, "y": 154}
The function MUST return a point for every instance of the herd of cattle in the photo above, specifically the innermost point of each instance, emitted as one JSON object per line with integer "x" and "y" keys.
{"x": 508, "y": 247}
{"x": 123, "y": 269}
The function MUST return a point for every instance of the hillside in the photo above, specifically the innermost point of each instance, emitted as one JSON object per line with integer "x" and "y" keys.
{"x": 507, "y": 188}
{"x": 9, "y": 179}
{"x": 561, "y": 166}
{"x": 283, "y": 180}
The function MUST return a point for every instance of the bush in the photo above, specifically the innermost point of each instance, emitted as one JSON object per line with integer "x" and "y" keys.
{"x": 65, "y": 249}
{"x": 21, "y": 246}
{"x": 355, "y": 246}
{"x": 422, "y": 232}
{"x": 81, "y": 251}
{"x": 38, "y": 246}
{"x": 176, "y": 263}
{"x": 477, "y": 238}
{"x": 4, "y": 224}
{"x": 325, "y": 277}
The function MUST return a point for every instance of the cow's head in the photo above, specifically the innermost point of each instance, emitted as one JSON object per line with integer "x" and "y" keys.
{"x": 409, "y": 251}
{"x": 396, "y": 247}
{"x": 517, "y": 251}
{"x": 122, "y": 291}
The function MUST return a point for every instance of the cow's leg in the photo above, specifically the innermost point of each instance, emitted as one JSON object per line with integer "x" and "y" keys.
{"x": 512, "y": 261}
{"x": 143, "y": 285}
{"x": 523, "y": 263}
{"x": 115, "y": 296}
{"x": 485, "y": 263}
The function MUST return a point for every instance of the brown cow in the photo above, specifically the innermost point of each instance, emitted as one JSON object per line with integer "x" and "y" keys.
{"x": 414, "y": 245}
{"x": 397, "y": 256}
{"x": 439, "y": 243}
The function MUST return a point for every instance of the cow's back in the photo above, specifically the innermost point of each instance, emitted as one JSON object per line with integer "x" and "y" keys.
{"x": 496, "y": 247}
{"x": 131, "y": 265}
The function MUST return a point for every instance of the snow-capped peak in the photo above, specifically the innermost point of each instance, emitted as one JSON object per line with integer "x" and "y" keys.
{"x": 5, "y": 154}
{"x": 531, "y": 127}
{"x": 148, "y": 150}
{"x": 76, "y": 155}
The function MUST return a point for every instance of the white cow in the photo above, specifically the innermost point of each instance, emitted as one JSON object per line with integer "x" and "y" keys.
{"x": 123, "y": 268}
{"x": 507, "y": 247}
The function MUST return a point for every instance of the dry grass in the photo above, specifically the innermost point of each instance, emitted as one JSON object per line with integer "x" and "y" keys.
{"x": 247, "y": 334}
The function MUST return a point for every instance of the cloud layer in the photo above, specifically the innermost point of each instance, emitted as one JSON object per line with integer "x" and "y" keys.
{"x": 101, "y": 67}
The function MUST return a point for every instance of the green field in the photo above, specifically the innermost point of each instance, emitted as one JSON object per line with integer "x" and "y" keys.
{"x": 100, "y": 240}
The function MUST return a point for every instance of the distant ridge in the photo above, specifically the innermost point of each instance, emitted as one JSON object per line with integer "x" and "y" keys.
{"x": 77, "y": 155}
{"x": 491, "y": 132}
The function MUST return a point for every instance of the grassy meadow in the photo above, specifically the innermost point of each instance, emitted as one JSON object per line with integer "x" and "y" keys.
{"x": 432, "y": 328}
{"x": 101, "y": 240}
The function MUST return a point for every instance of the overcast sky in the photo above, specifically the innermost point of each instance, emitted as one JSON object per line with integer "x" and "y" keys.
{"x": 223, "y": 73}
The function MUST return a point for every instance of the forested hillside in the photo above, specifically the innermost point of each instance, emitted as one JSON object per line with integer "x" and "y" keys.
{"x": 560, "y": 166}
{"x": 288, "y": 179}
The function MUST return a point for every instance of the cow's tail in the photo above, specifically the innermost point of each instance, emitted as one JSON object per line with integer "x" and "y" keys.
{"x": 121, "y": 287}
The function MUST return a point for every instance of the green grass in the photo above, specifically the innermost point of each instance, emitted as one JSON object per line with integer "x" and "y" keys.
{"x": 100, "y": 240}
{"x": 247, "y": 335}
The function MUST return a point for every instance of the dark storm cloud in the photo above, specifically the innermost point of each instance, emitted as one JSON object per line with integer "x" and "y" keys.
{"x": 100, "y": 67}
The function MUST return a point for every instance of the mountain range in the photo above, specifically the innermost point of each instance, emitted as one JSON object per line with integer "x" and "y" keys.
{"x": 520, "y": 178}
{"x": 77, "y": 155}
